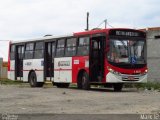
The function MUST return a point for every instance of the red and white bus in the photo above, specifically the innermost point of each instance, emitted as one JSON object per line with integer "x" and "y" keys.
{"x": 103, "y": 56}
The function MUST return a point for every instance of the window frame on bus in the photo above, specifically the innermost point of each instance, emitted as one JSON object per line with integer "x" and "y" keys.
{"x": 29, "y": 50}
{"x": 12, "y": 51}
{"x": 38, "y": 52}
{"x": 70, "y": 49}
{"x": 53, "y": 53}
{"x": 86, "y": 46}
{"x": 57, "y": 47}
{"x": 20, "y": 53}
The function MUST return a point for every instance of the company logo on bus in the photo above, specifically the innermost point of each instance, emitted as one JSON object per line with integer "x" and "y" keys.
{"x": 64, "y": 63}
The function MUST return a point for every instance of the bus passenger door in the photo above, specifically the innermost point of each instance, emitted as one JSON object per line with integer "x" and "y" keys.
{"x": 19, "y": 62}
{"x": 49, "y": 60}
{"x": 97, "y": 58}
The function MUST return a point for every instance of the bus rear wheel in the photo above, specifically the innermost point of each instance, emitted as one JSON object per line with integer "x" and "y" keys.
{"x": 118, "y": 87}
{"x": 33, "y": 80}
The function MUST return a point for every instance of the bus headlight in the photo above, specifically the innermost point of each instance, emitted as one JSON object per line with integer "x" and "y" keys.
{"x": 146, "y": 71}
{"x": 112, "y": 71}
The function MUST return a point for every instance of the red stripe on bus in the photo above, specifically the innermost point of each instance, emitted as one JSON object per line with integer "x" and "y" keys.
{"x": 30, "y": 70}
{"x": 62, "y": 69}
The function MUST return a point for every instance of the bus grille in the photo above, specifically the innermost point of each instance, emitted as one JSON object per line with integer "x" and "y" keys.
{"x": 130, "y": 78}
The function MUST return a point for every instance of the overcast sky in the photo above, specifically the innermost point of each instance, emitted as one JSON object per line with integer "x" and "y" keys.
{"x": 23, "y": 19}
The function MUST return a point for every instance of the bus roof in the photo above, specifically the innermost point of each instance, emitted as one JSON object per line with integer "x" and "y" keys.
{"x": 42, "y": 38}
{"x": 94, "y": 31}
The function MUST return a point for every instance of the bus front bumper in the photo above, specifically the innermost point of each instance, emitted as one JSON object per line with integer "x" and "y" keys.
{"x": 125, "y": 78}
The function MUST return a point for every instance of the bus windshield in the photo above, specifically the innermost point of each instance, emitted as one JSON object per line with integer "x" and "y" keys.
{"x": 127, "y": 51}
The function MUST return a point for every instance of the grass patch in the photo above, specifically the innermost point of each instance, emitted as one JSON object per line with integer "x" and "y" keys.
{"x": 148, "y": 85}
{"x": 9, "y": 82}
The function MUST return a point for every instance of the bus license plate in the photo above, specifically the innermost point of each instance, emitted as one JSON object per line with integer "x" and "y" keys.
{"x": 130, "y": 78}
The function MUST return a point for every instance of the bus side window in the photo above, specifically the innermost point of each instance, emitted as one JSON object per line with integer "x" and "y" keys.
{"x": 12, "y": 52}
{"x": 53, "y": 48}
{"x": 29, "y": 51}
{"x": 60, "y": 48}
{"x": 39, "y": 50}
{"x": 70, "y": 49}
{"x": 20, "y": 52}
{"x": 83, "y": 46}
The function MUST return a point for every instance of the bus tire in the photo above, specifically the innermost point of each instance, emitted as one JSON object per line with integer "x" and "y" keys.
{"x": 85, "y": 81}
{"x": 79, "y": 80}
{"x": 118, "y": 87}
{"x": 33, "y": 80}
{"x": 62, "y": 85}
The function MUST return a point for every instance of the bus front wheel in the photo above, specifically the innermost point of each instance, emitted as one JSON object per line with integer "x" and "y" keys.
{"x": 85, "y": 81}
{"x": 118, "y": 87}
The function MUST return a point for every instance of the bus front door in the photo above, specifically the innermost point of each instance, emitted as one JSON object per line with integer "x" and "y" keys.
{"x": 19, "y": 62}
{"x": 97, "y": 58}
{"x": 49, "y": 60}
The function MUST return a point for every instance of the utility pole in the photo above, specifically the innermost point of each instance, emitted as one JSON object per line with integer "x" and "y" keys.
{"x": 105, "y": 21}
{"x": 87, "y": 26}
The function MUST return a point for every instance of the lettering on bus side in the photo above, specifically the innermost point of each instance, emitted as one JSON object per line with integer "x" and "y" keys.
{"x": 76, "y": 62}
{"x": 63, "y": 63}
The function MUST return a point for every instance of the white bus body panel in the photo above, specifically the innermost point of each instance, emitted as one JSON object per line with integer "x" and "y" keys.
{"x": 11, "y": 73}
{"x": 63, "y": 69}
{"x": 36, "y": 65}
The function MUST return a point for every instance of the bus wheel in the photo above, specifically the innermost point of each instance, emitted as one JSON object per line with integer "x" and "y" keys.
{"x": 118, "y": 87}
{"x": 33, "y": 80}
{"x": 62, "y": 85}
{"x": 79, "y": 81}
{"x": 85, "y": 81}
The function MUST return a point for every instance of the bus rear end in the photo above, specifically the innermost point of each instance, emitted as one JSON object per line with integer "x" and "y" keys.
{"x": 11, "y": 61}
{"x": 126, "y": 59}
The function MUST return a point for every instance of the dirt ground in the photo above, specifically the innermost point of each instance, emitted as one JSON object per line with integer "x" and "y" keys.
{"x": 23, "y": 99}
